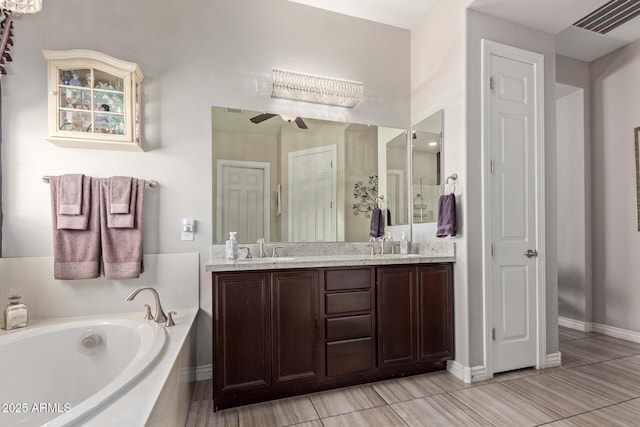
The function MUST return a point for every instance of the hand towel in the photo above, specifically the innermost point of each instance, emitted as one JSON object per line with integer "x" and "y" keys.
{"x": 446, "y": 216}
{"x": 78, "y": 221}
{"x": 122, "y": 220}
{"x": 120, "y": 191}
{"x": 70, "y": 200}
{"x": 76, "y": 253}
{"x": 376, "y": 229}
{"x": 122, "y": 247}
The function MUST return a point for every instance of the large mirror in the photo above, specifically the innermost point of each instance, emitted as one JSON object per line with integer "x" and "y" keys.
{"x": 427, "y": 161}
{"x": 293, "y": 179}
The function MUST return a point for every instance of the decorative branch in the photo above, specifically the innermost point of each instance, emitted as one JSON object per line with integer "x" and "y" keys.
{"x": 6, "y": 40}
{"x": 366, "y": 196}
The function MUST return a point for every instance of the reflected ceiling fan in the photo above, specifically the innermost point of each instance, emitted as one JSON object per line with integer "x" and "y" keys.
{"x": 265, "y": 116}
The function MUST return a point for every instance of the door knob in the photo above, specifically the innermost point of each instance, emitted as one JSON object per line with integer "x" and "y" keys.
{"x": 531, "y": 253}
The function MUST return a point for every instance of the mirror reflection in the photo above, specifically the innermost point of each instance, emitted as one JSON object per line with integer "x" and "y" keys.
{"x": 396, "y": 176}
{"x": 427, "y": 143}
{"x": 290, "y": 179}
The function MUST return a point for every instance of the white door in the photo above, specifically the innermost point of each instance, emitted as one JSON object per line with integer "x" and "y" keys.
{"x": 312, "y": 195}
{"x": 516, "y": 209}
{"x": 243, "y": 200}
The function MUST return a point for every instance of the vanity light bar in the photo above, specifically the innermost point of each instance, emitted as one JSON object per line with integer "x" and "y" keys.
{"x": 310, "y": 88}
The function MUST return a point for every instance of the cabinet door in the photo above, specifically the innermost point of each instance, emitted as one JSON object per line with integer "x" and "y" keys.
{"x": 397, "y": 334}
{"x": 435, "y": 312}
{"x": 241, "y": 332}
{"x": 295, "y": 317}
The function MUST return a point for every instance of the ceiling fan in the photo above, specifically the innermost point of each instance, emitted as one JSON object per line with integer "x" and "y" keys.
{"x": 265, "y": 116}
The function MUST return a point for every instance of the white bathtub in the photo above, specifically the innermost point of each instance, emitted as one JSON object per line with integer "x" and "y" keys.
{"x": 68, "y": 371}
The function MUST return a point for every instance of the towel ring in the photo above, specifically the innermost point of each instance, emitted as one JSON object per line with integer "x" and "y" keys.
{"x": 452, "y": 177}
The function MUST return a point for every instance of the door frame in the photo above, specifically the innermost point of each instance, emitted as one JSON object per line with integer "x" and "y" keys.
{"x": 266, "y": 167}
{"x": 333, "y": 149}
{"x": 537, "y": 61}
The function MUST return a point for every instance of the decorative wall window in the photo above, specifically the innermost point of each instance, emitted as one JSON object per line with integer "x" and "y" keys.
{"x": 94, "y": 101}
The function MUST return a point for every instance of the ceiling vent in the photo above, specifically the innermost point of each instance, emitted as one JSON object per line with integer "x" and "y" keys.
{"x": 610, "y": 16}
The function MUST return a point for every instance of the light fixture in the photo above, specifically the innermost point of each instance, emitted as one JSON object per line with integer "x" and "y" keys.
{"x": 310, "y": 88}
{"x": 21, "y": 6}
{"x": 433, "y": 143}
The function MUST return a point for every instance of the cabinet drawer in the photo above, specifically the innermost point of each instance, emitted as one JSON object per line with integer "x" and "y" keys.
{"x": 349, "y": 357}
{"x": 348, "y": 302}
{"x": 344, "y": 280}
{"x": 342, "y": 328}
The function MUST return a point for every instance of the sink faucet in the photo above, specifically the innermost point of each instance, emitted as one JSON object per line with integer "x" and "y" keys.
{"x": 160, "y": 316}
{"x": 261, "y": 243}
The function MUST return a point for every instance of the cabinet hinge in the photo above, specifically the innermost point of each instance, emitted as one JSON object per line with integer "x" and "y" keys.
{"x": 493, "y": 249}
{"x": 493, "y": 334}
{"x": 491, "y": 83}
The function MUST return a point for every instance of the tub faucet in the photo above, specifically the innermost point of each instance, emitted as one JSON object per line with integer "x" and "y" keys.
{"x": 160, "y": 316}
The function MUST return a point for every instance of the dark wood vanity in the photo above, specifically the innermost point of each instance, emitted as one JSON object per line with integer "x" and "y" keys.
{"x": 286, "y": 332}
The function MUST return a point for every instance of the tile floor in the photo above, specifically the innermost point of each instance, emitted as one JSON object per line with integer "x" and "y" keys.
{"x": 598, "y": 385}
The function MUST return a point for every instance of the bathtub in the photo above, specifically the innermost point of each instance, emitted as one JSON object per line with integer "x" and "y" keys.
{"x": 88, "y": 370}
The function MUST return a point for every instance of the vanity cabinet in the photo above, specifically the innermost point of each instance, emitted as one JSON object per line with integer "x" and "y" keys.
{"x": 285, "y": 332}
{"x": 94, "y": 100}
{"x": 349, "y": 326}
{"x": 415, "y": 314}
{"x": 266, "y": 334}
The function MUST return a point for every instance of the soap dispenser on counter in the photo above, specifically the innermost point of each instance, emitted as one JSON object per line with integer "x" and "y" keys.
{"x": 15, "y": 313}
{"x": 231, "y": 249}
{"x": 404, "y": 245}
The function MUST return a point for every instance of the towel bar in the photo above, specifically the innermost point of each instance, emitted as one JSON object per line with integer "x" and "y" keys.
{"x": 149, "y": 183}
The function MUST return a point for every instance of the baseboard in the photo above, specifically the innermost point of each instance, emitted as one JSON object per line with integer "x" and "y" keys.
{"x": 574, "y": 324}
{"x": 599, "y": 328}
{"x": 468, "y": 374}
{"x": 553, "y": 360}
{"x": 204, "y": 372}
{"x": 479, "y": 373}
{"x": 614, "y": 332}
{"x": 457, "y": 370}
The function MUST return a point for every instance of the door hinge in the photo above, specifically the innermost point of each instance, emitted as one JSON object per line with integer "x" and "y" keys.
{"x": 493, "y": 249}
{"x": 331, "y": 205}
{"x": 491, "y": 83}
{"x": 493, "y": 334}
{"x": 492, "y": 166}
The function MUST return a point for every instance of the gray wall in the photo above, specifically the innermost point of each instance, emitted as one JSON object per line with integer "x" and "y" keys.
{"x": 573, "y": 282}
{"x": 615, "y": 112}
{"x": 203, "y": 54}
{"x": 574, "y": 192}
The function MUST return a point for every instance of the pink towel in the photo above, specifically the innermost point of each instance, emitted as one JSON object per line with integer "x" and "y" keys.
{"x": 122, "y": 247}
{"x": 120, "y": 192}
{"x": 122, "y": 220}
{"x": 78, "y": 221}
{"x": 76, "y": 253}
{"x": 70, "y": 200}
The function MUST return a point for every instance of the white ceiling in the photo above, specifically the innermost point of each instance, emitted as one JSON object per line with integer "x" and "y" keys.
{"x": 399, "y": 13}
{"x": 550, "y": 16}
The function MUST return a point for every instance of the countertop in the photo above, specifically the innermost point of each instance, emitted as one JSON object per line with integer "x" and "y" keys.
{"x": 310, "y": 261}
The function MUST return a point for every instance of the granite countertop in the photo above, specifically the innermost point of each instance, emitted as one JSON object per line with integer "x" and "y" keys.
{"x": 325, "y": 256}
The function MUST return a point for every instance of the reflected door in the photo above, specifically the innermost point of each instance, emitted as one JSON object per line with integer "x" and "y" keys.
{"x": 243, "y": 200}
{"x": 312, "y": 195}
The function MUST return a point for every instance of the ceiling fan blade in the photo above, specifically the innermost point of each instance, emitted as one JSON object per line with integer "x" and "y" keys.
{"x": 301, "y": 124}
{"x": 261, "y": 117}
